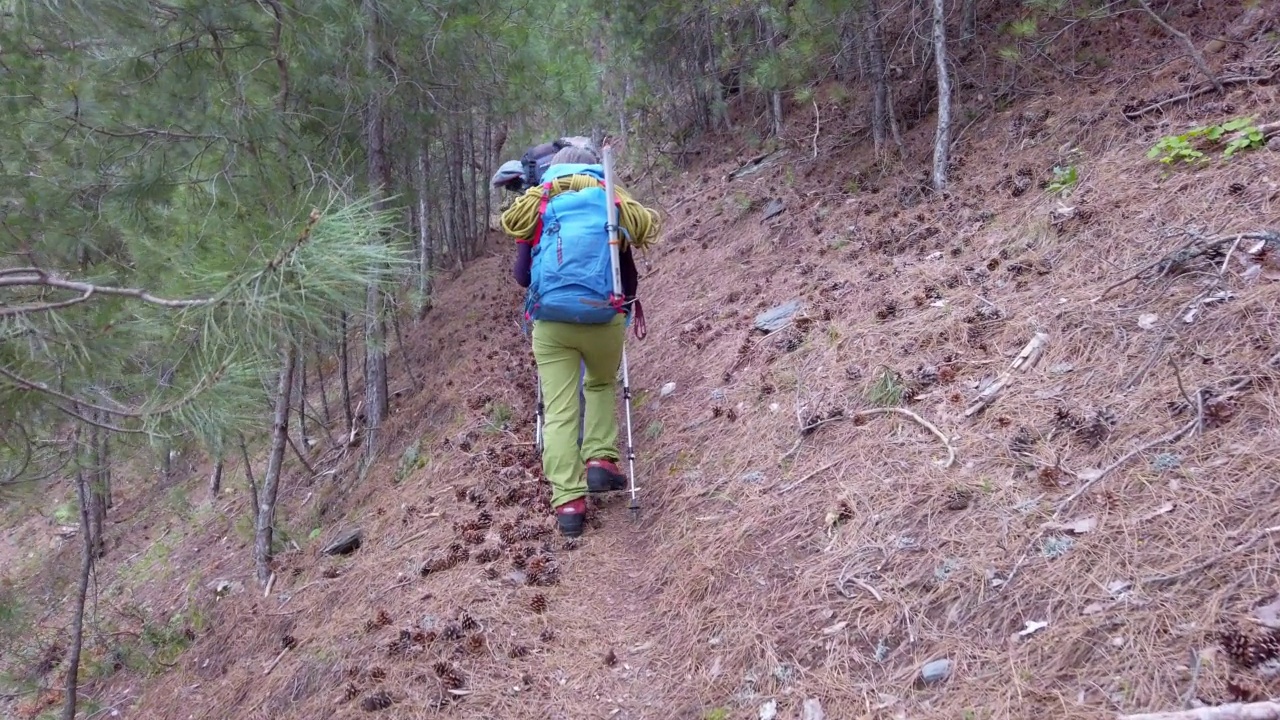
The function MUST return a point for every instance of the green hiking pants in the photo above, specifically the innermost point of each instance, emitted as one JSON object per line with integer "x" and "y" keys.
{"x": 559, "y": 349}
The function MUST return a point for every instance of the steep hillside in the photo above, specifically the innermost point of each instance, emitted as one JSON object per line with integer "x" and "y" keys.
{"x": 1021, "y": 438}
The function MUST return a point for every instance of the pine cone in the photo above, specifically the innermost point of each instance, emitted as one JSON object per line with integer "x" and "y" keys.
{"x": 377, "y": 673}
{"x": 349, "y": 693}
{"x": 468, "y": 623}
{"x": 487, "y": 555}
{"x": 441, "y": 668}
{"x": 1240, "y": 648}
{"x": 473, "y": 537}
{"x": 518, "y": 561}
{"x": 375, "y": 702}
{"x": 547, "y": 635}
{"x": 570, "y": 544}
{"x": 452, "y": 632}
{"x": 491, "y": 573}
{"x": 517, "y": 652}
{"x": 1218, "y": 412}
{"x": 475, "y": 643}
{"x": 539, "y": 603}
{"x": 383, "y": 619}
{"x": 484, "y": 520}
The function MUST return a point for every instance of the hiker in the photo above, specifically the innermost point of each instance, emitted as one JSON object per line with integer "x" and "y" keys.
{"x": 563, "y": 258}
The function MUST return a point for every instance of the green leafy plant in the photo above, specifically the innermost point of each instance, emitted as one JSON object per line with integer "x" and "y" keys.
{"x": 1064, "y": 180}
{"x": 1239, "y": 134}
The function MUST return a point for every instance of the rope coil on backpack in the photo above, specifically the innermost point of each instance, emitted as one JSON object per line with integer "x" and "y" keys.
{"x": 639, "y": 224}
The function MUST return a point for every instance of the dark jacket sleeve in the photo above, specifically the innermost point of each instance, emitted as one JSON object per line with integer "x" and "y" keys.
{"x": 524, "y": 263}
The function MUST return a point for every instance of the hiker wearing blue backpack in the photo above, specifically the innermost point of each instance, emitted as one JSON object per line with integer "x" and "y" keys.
{"x": 564, "y": 259}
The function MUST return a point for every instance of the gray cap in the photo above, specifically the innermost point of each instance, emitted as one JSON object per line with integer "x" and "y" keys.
{"x": 510, "y": 170}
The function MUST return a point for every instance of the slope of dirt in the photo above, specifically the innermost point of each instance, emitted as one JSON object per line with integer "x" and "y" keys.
{"x": 797, "y": 543}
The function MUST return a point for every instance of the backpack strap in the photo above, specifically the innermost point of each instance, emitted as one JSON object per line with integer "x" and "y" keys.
{"x": 542, "y": 209}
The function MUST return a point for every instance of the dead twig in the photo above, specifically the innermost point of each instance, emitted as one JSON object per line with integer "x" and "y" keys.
{"x": 1193, "y": 94}
{"x": 946, "y": 442}
{"x": 1196, "y": 56}
{"x": 1162, "y": 440}
{"x": 1257, "y": 538}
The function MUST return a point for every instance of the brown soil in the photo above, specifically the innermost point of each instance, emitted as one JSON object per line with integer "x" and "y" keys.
{"x": 836, "y": 567}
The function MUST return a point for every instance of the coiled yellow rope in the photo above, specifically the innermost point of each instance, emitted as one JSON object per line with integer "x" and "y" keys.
{"x": 641, "y": 223}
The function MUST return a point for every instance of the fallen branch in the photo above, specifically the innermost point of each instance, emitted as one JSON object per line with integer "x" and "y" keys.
{"x": 1197, "y": 246}
{"x": 1257, "y": 538}
{"x": 1269, "y": 710}
{"x": 1202, "y": 90}
{"x": 1196, "y": 56}
{"x": 1025, "y": 360}
{"x": 946, "y": 442}
{"x": 1163, "y": 440}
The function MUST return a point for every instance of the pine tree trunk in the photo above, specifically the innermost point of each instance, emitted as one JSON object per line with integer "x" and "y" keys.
{"x": 344, "y": 369}
{"x": 82, "y": 592}
{"x": 266, "y": 504}
{"x": 425, "y": 253}
{"x": 879, "y": 78}
{"x": 324, "y": 391}
{"x": 942, "y": 140}
{"x": 215, "y": 481}
{"x": 375, "y": 329}
{"x": 968, "y": 20}
{"x": 302, "y": 399}
{"x": 248, "y": 477}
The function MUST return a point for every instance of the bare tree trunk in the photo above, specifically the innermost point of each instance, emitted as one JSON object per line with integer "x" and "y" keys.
{"x": 425, "y": 254}
{"x": 375, "y": 329}
{"x": 344, "y": 369}
{"x": 302, "y": 399}
{"x": 266, "y": 504}
{"x": 215, "y": 480}
{"x": 248, "y": 476}
{"x": 324, "y": 391}
{"x": 879, "y": 77}
{"x": 82, "y": 592}
{"x": 942, "y": 140}
{"x": 968, "y": 20}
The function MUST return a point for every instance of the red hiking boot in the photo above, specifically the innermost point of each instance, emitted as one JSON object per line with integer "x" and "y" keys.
{"x": 604, "y": 476}
{"x": 571, "y": 516}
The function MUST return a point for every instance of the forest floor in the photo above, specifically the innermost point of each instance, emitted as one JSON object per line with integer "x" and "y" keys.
{"x": 1104, "y": 539}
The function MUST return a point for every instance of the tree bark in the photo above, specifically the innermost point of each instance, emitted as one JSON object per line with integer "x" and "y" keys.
{"x": 425, "y": 258}
{"x": 302, "y": 399}
{"x": 879, "y": 77}
{"x": 248, "y": 477}
{"x": 942, "y": 139}
{"x": 215, "y": 480}
{"x": 324, "y": 391}
{"x": 82, "y": 592}
{"x": 275, "y": 461}
{"x": 968, "y": 20}
{"x": 379, "y": 177}
{"x": 344, "y": 369}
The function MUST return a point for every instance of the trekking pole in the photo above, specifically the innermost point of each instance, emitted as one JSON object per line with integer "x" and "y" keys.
{"x": 615, "y": 252}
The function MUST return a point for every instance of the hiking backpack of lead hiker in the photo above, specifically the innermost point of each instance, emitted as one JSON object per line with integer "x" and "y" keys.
{"x": 518, "y": 176}
{"x": 571, "y": 277}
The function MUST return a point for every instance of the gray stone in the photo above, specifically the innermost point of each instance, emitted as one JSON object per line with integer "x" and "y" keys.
{"x": 778, "y": 317}
{"x": 936, "y": 671}
{"x": 769, "y": 710}
{"x": 346, "y": 543}
{"x": 774, "y": 208}
{"x": 812, "y": 710}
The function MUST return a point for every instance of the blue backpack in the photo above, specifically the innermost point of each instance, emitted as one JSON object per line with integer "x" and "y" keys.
{"x": 571, "y": 276}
